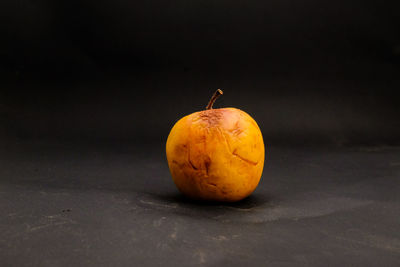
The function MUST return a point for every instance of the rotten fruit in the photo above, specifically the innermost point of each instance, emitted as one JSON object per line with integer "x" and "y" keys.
{"x": 216, "y": 154}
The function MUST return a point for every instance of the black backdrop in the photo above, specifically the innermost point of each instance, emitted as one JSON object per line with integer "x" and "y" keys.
{"x": 307, "y": 71}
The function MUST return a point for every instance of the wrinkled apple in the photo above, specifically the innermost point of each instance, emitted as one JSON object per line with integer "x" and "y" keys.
{"x": 216, "y": 154}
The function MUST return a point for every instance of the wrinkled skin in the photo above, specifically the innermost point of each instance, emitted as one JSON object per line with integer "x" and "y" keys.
{"x": 216, "y": 154}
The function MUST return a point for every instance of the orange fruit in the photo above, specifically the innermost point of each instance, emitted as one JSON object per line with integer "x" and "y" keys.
{"x": 216, "y": 154}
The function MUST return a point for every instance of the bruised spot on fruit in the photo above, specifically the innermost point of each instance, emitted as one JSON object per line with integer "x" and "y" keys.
{"x": 190, "y": 160}
{"x": 207, "y": 163}
{"x": 211, "y": 118}
{"x": 242, "y": 158}
{"x": 180, "y": 149}
{"x": 213, "y": 184}
{"x": 237, "y": 129}
{"x": 202, "y": 139}
{"x": 191, "y": 164}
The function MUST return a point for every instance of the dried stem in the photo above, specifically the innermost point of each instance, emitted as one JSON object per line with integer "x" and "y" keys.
{"x": 213, "y": 98}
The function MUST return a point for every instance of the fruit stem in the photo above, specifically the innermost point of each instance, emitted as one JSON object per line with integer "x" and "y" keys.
{"x": 213, "y": 98}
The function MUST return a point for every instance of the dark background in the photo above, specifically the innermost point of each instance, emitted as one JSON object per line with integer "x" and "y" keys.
{"x": 308, "y": 72}
{"x": 89, "y": 91}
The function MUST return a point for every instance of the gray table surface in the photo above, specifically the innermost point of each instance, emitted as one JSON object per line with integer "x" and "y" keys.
{"x": 116, "y": 205}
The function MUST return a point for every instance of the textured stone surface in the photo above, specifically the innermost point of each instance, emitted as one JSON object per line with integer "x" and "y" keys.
{"x": 110, "y": 205}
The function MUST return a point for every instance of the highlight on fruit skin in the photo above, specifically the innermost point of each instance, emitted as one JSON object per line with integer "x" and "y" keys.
{"x": 216, "y": 154}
